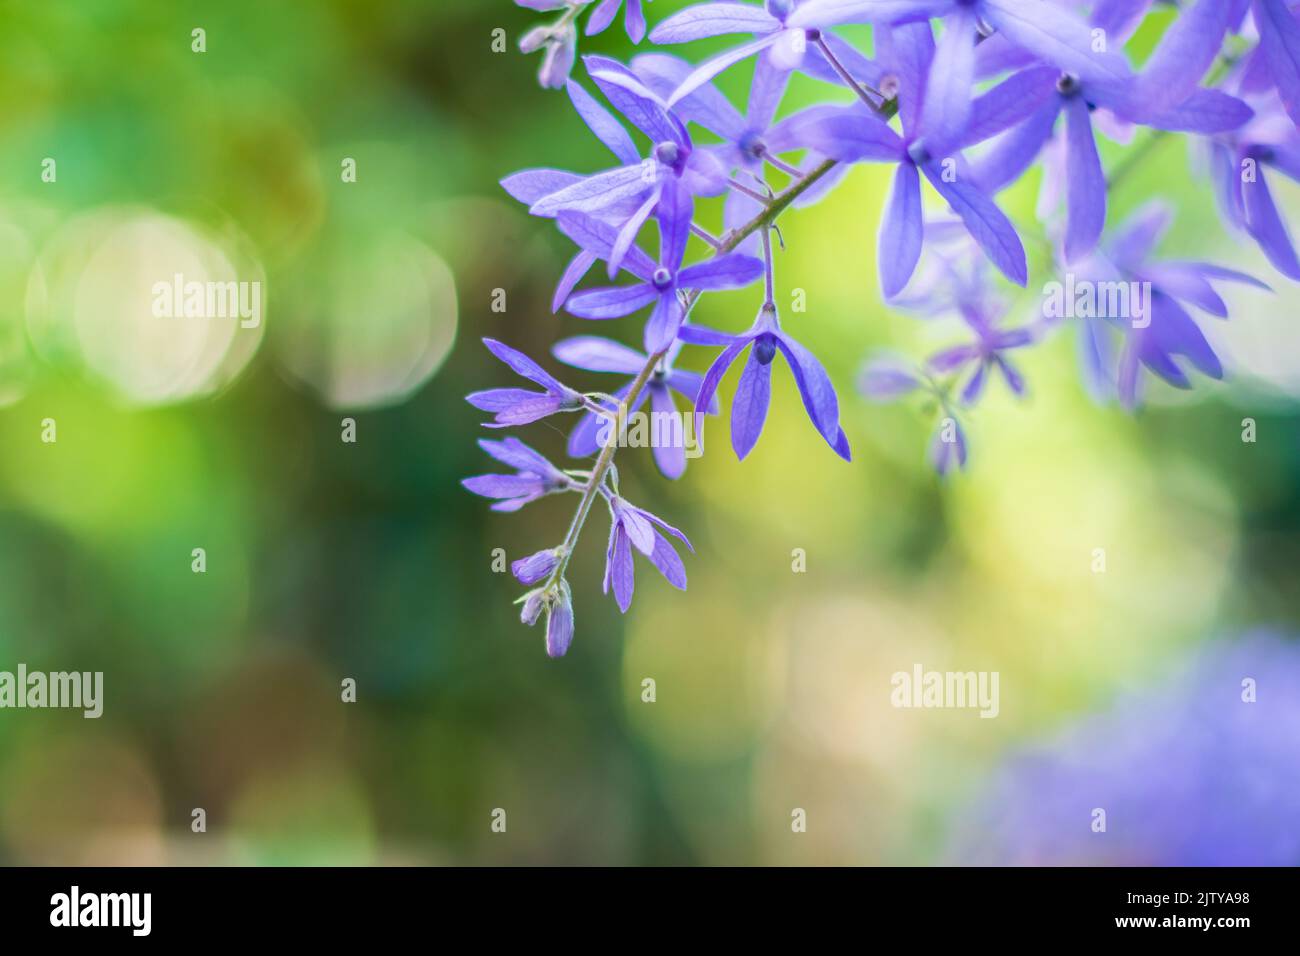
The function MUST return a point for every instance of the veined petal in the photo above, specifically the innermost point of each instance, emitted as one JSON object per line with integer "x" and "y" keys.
{"x": 521, "y": 364}
{"x": 986, "y": 223}
{"x": 1055, "y": 35}
{"x": 530, "y": 186}
{"x": 713, "y": 378}
{"x": 1009, "y": 103}
{"x": 750, "y": 404}
{"x": 635, "y": 100}
{"x": 848, "y": 134}
{"x": 619, "y": 572}
{"x": 661, "y": 327}
{"x": 612, "y": 303}
{"x": 626, "y": 238}
{"x": 901, "y": 232}
{"x": 946, "y": 109}
{"x": 576, "y": 271}
{"x": 669, "y": 452}
{"x": 1268, "y": 228}
{"x": 826, "y": 13}
{"x": 731, "y": 271}
{"x": 596, "y": 354}
{"x": 1279, "y": 40}
{"x": 607, "y": 129}
{"x": 1085, "y": 183}
{"x": 815, "y": 388}
{"x": 711, "y": 20}
{"x": 516, "y": 454}
{"x": 1184, "y": 54}
{"x": 706, "y": 71}
{"x": 599, "y": 238}
{"x": 1205, "y": 111}
{"x": 666, "y": 559}
{"x": 706, "y": 106}
{"x": 593, "y": 193}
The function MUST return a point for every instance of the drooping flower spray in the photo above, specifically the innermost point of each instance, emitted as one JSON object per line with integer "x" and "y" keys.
{"x": 962, "y": 96}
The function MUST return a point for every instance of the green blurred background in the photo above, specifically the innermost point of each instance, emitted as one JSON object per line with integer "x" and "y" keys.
{"x": 329, "y": 560}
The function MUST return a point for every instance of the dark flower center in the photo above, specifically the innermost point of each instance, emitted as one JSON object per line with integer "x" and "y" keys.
{"x": 751, "y": 145}
{"x": 1067, "y": 85}
{"x": 662, "y": 278}
{"x": 765, "y": 349}
{"x": 668, "y": 153}
{"x": 813, "y": 35}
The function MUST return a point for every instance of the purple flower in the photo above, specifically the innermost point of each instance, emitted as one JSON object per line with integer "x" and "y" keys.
{"x": 888, "y": 379}
{"x": 534, "y": 476}
{"x": 1278, "y": 55}
{"x": 1157, "y": 327}
{"x": 633, "y": 527}
{"x": 854, "y": 134}
{"x": 749, "y": 406}
{"x": 748, "y": 142}
{"x": 1043, "y": 94}
{"x": 1202, "y": 771}
{"x": 660, "y": 283}
{"x": 557, "y": 601}
{"x": 601, "y": 355}
{"x": 948, "y": 446}
{"x": 984, "y": 353}
{"x": 633, "y": 19}
{"x": 518, "y": 406}
{"x": 1238, "y": 162}
{"x": 675, "y": 169}
{"x": 1040, "y": 28}
{"x": 781, "y": 44}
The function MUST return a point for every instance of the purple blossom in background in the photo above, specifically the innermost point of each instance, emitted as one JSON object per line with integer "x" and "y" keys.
{"x": 1162, "y": 328}
{"x": 1241, "y": 163}
{"x": 1204, "y": 771}
{"x": 965, "y": 95}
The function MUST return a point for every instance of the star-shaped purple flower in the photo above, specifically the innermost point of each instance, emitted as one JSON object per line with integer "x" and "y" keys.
{"x": 660, "y": 282}
{"x": 749, "y": 407}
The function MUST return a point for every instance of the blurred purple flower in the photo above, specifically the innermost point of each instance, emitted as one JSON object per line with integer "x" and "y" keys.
{"x": 1204, "y": 771}
{"x": 1160, "y": 328}
{"x": 1238, "y": 162}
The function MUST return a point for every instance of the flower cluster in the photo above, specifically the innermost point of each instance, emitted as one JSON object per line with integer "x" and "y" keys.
{"x": 963, "y": 95}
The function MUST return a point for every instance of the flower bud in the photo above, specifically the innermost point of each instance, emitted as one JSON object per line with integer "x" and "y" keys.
{"x": 533, "y": 40}
{"x": 557, "y": 63}
{"x": 559, "y": 623}
{"x": 533, "y": 568}
{"x": 533, "y": 602}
